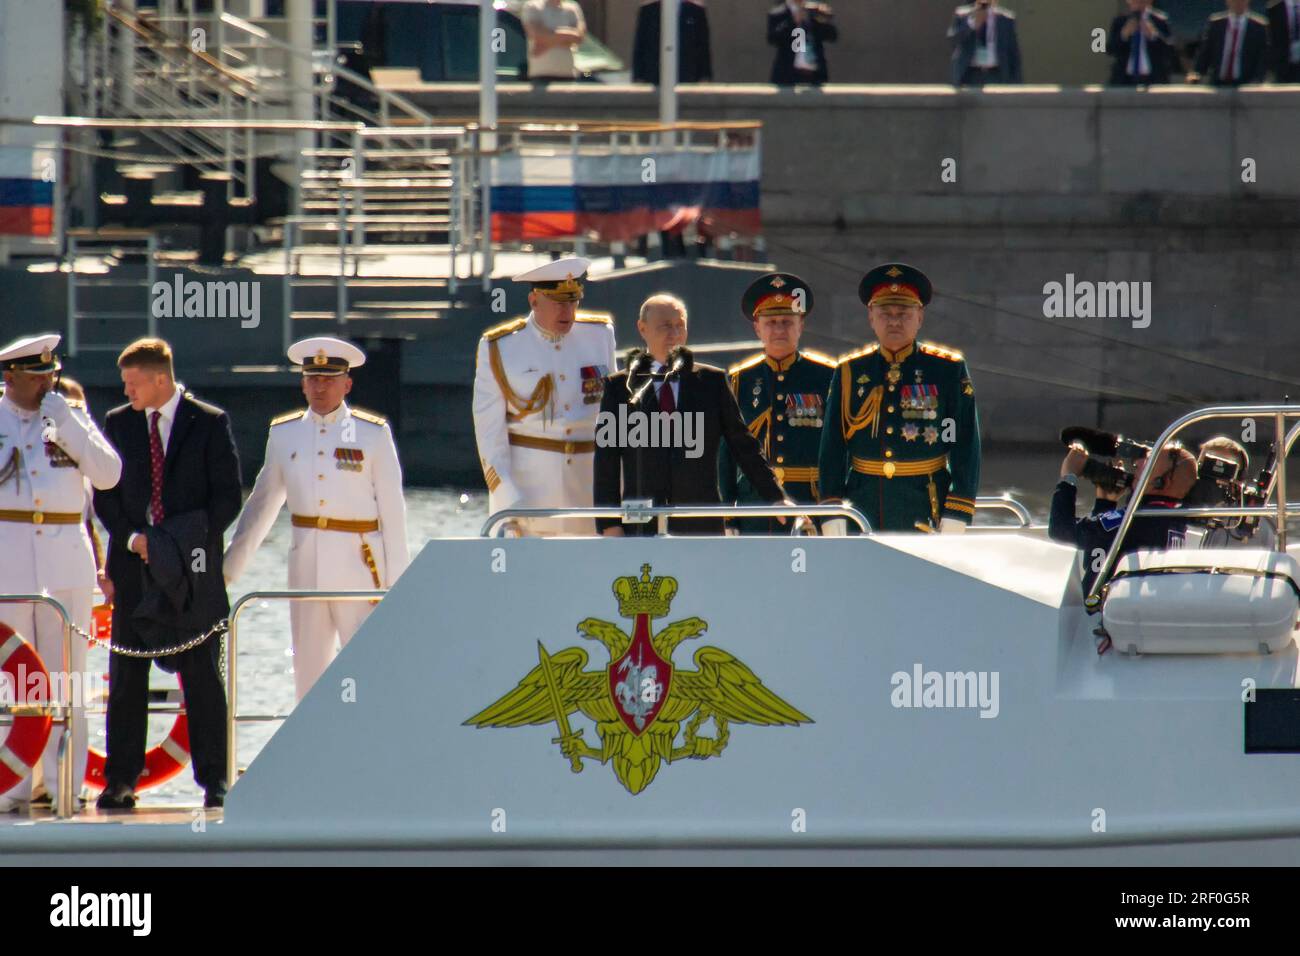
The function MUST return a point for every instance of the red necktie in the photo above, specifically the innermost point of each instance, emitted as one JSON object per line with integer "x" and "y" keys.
{"x": 156, "y": 458}
{"x": 1232, "y": 46}
{"x": 666, "y": 402}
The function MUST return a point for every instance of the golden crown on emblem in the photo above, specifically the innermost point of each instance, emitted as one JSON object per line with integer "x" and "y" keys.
{"x": 644, "y": 596}
{"x": 569, "y": 285}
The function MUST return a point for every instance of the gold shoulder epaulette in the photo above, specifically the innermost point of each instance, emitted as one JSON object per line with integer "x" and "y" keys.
{"x": 288, "y": 416}
{"x": 603, "y": 318}
{"x": 1258, "y": 18}
{"x": 942, "y": 351}
{"x": 745, "y": 363}
{"x": 75, "y": 403}
{"x": 865, "y": 350}
{"x": 819, "y": 357}
{"x": 366, "y": 416}
{"x": 505, "y": 328}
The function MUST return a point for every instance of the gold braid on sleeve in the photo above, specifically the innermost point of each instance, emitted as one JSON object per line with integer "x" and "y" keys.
{"x": 757, "y": 425}
{"x": 542, "y": 398}
{"x": 867, "y": 415}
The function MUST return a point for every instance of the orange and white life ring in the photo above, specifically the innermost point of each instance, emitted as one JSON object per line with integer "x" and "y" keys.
{"x": 26, "y": 740}
{"x": 161, "y": 763}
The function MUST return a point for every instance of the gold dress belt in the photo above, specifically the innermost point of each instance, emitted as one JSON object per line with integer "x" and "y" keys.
{"x": 40, "y": 517}
{"x": 335, "y": 524}
{"x": 786, "y": 473}
{"x": 553, "y": 444}
{"x": 889, "y": 469}
{"x": 355, "y": 527}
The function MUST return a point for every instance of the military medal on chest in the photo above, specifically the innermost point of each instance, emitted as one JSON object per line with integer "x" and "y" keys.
{"x": 804, "y": 410}
{"x": 593, "y": 383}
{"x": 919, "y": 401}
{"x": 348, "y": 459}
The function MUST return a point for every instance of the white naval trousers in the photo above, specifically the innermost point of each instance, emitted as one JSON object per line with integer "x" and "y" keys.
{"x": 316, "y": 626}
{"x": 41, "y": 626}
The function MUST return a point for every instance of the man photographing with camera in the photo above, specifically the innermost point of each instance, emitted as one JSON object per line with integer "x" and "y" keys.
{"x": 1174, "y": 477}
{"x": 1222, "y": 465}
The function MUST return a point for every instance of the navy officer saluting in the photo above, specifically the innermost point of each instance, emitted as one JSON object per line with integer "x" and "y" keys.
{"x": 901, "y": 438}
{"x": 781, "y": 393}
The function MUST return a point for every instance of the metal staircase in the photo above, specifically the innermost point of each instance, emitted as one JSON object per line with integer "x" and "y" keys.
{"x": 359, "y": 194}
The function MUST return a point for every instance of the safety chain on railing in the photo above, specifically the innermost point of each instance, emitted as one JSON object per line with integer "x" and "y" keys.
{"x": 219, "y": 628}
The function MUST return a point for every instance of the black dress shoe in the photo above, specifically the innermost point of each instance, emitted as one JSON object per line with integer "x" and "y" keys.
{"x": 213, "y": 799}
{"x": 116, "y": 798}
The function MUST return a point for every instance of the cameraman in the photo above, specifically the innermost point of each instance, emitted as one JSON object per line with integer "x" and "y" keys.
{"x": 1230, "y": 532}
{"x": 1175, "y": 476}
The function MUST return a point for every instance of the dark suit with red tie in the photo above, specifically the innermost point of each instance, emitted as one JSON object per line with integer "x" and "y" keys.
{"x": 199, "y": 473}
{"x": 668, "y": 475}
{"x": 1249, "y": 41}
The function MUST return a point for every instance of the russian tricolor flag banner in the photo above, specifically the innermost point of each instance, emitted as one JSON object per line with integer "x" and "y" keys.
{"x": 621, "y": 196}
{"x": 26, "y": 191}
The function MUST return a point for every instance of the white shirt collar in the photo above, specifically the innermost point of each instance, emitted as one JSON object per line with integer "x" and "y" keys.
{"x": 332, "y": 417}
{"x": 168, "y": 408}
{"x": 552, "y": 337}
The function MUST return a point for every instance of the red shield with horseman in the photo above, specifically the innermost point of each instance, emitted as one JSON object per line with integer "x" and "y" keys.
{"x": 639, "y": 680}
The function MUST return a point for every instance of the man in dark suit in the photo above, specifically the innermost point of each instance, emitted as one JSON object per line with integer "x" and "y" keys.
{"x": 800, "y": 30}
{"x": 1234, "y": 47}
{"x": 685, "y": 472}
{"x": 694, "y": 61}
{"x": 1141, "y": 44}
{"x": 179, "y": 464}
{"x": 1284, "y": 40}
{"x": 985, "y": 48}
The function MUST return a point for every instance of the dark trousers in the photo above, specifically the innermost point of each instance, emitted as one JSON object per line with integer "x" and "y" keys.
{"x": 128, "y": 717}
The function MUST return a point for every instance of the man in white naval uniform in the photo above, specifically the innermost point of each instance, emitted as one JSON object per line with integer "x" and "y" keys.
{"x": 337, "y": 467}
{"x": 48, "y": 448}
{"x": 537, "y": 391}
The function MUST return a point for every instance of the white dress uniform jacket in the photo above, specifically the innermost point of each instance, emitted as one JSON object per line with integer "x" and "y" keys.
{"x": 46, "y": 456}
{"x": 536, "y": 397}
{"x": 343, "y": 467}
{"x": 40, "y": 477}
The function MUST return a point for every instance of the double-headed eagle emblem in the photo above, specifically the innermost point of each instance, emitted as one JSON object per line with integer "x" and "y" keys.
{"x": 640, "y": 699}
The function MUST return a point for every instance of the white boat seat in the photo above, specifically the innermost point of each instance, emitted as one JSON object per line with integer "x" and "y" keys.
{"x": 1207, "y": 601}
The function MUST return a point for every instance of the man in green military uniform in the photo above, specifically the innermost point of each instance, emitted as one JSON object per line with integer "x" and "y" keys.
{"x": 901, "y": 439}
{"x": 781, "y": 393}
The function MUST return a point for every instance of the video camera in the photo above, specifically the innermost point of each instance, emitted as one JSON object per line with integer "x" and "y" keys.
{"x": 1117, "y": 474}
{"x": 1219, "y": 481}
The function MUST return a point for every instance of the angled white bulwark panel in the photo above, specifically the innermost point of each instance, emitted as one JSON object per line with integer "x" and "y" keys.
{"x": 859, "y": 691}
